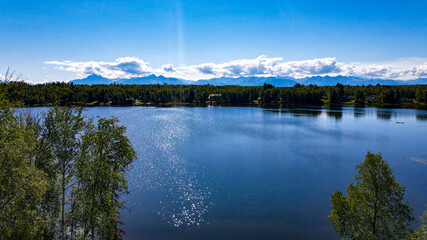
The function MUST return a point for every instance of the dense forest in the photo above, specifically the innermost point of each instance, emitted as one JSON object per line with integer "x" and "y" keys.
{"x": 62, "y": 94}
{"x": 62, "y": 175}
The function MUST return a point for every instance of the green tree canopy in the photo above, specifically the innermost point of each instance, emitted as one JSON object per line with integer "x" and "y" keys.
{"x": 421, "y": 234}
{"x": 63, "y": 127}
{"x": 62, "y": 176}
{"x": 106, "y": 157}
{"x": 374, "y": 208}
{"x": 22, "y": 185}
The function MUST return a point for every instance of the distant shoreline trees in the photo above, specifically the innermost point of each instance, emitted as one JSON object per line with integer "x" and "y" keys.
{"x": 62, "y": 176}
{"x": 64, "y": 94}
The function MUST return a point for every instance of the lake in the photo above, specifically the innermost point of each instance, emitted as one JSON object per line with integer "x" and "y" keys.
{"x": 258, "y": 173}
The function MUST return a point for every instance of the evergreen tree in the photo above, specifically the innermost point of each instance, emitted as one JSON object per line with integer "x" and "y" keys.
{"x": 333, "y": 95}
{"x": 359, "y": 96}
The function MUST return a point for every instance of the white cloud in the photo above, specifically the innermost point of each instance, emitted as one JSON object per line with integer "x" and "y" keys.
{"x": 168, "y": 68}
{"x": 385, "y": 71}
{"x": 127, "y": 67}
{"x": 300, "y": 69}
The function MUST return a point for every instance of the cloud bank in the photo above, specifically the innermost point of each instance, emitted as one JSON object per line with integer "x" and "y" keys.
{"x": 128, "y": 67}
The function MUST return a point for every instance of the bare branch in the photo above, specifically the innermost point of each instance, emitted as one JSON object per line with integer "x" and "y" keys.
{"x": 11, "y": 76}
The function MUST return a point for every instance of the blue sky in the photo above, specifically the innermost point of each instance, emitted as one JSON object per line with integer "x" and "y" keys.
{"x": 188, "y": 34}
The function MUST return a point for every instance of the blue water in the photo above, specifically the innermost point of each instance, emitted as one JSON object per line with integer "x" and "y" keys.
{"x": 256, "y": 173}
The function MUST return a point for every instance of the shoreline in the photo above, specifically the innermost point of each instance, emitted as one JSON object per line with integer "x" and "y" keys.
{"x": 265, "y": 105}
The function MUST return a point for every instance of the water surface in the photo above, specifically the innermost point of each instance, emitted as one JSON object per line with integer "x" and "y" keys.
{"x": 254, "y": 173}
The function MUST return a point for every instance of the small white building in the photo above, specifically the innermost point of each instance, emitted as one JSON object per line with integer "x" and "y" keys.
{"x": 214, "y": 96}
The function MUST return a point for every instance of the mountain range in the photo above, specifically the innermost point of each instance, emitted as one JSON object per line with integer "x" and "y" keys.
{"x": 247, "y": 81}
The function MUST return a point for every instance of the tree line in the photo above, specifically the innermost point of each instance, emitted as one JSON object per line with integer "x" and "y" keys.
{"x": 62, "y": 175}
{"x": 63, "y": 94}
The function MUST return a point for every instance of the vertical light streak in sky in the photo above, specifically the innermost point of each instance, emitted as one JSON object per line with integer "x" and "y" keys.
{"x": 180, "y": 33}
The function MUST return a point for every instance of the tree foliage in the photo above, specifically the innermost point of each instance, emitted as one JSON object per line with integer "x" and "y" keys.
{"x": 62, "y": 176}
{"x": 421, "y": 233}
{"x": 62, "y": 130}
{"x": 106, "y": 157}
{"x": 22, "y": 185}
{"x": 374, "y": 208}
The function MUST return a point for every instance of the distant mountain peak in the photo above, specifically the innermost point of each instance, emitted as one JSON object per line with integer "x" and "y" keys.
{"x": 247, "y": 81}
{"x": 95, "y": 76}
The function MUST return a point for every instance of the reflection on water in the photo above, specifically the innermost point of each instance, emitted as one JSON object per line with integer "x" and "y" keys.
{"x": 334, "y": 112}
{"x": 384, "y": 114}
{"x": 296, "y": 112}
{"x": 337, "y": 115}
{"x": 337, "y": 112}
{"x": 422, "y": 117}
{"x": 183, "y": 200}
{"x": 359, "y": 112}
